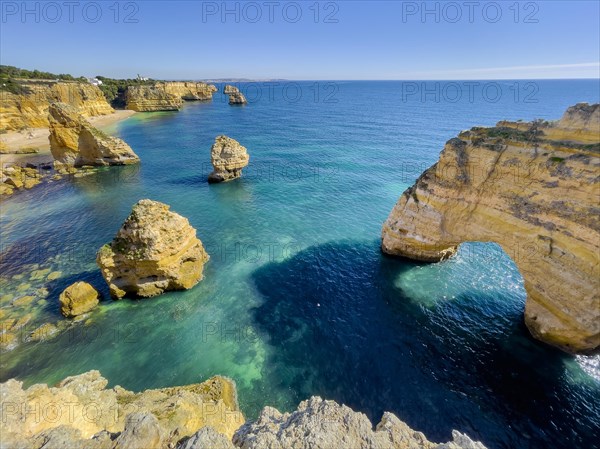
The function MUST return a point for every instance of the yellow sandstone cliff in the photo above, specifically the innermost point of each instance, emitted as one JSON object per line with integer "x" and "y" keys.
{"x": 534, "y": 189}
{"x": 166, "y": 96}
{"x": 30, "y": 110}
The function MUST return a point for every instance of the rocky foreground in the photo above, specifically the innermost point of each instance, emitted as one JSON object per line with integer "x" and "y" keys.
{"x": 80, "y": 412}
{"x": 533, "y": 189}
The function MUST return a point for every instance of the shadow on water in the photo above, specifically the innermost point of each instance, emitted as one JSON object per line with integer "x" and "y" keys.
{"x": 343, "y": 330}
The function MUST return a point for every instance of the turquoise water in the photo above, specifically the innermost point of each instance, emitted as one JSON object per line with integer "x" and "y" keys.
{"x": 297, "y": 299}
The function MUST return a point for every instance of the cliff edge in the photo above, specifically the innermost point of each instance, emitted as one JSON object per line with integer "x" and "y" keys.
{"x": 532, "y": 188}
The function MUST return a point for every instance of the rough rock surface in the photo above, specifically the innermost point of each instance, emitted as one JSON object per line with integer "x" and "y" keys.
{"x": 320, "y": 424}
{"x": 75, "y": 142}
{"x": 189, "y": 90}
{"x": 533, "y": 189}
{"x": 207, "y": 438}
{"x": 155, "y": 250}
{"x": 77, "y": 299}
{"x": 14, "y": 177}
{"x": 229, "y": 89}
{"x": 166, "y": 96}
{"x": 228, "y": 158}
{"x": 237, "y": 98}
{"x": 30, "y": 110}
{"x": 151, "y": 98}
{"x": 81, "y": 412}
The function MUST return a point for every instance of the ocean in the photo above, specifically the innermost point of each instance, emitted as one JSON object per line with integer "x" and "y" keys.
{"x": 297, "y": 298}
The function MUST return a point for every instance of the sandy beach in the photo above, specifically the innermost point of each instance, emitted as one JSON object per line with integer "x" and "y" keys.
{"x": 38, "y": 138}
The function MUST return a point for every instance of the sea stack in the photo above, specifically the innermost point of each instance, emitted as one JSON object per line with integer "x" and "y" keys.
{"x": 154, "y": 251}
{"x": 228, "y": 158}
{"x": 229, "y": 89}
{"x": 532, "y": 188}
{"x": 237, "y": 98}
{"x": 75, "y": 142}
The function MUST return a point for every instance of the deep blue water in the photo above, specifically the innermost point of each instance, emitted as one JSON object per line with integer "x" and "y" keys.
{"x": 297, "y": 299}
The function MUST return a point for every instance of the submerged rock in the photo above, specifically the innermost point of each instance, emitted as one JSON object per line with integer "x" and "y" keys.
{"x": 228, "y": 158}
{"x": 532, "y": 188}
{"x": 75, "y": 142}
{"x": 237, "y": 98}
{"x": 154, "y": 251}
{"x": 78, "y": 299}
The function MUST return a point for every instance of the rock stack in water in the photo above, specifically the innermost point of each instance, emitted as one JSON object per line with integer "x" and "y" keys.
{"x": 237, "y": 98}
{"x": 228, "y": 158}
{"x": 155, "y": 250}
{"x": 75, "y": 142}
{"x": 229, "y": 89}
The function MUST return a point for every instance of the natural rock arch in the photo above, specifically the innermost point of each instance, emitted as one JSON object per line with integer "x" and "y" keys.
{"x": 532, "y": 188}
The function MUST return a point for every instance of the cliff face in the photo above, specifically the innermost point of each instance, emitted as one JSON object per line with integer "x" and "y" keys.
{"x": 533, "y": 188}
{"x": 151, "y": 98}
{"x": 74, "y": 141}
{"x": 81, "y": 412}
{"x": 166, "y": 96}
{"x": 190, "y": 91}
{"x": 31, "y": 110}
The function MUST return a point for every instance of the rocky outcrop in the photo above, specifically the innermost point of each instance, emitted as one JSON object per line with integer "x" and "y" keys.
{"x": 75, "y": 142}
{"x": 14, "y": 177}
{"x": 189, "y": 90}
{"x": 229, "y": 89}
{"x": 155, "y": 250}
{"x": 81, "y": 412}
{"x": 151, "y": 99}
{"x": 326, "y": 424}
{"x": 166, "y": 96}
{"x": 77, "y": 299}
{"x": 533, "y": 189}
{"x": 237, "y": 98}
{"x": 30, "y": 110}
{"x": 228, "y": 158}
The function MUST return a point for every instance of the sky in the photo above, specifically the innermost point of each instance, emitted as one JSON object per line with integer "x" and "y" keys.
{"x": 339, "y": 40}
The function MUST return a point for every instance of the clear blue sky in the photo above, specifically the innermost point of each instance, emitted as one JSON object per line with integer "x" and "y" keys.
{"x": 371, "y": 40}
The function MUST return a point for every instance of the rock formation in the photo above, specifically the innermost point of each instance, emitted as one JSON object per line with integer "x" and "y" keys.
{"x": 155, "y": 250}
{"x": 166, "y": 96}
{"x": 229, "y": 89}
{"x": 151, "y": 98}
{"x": 30, "y": 110}
{"x": 533, "y": 189}
{"x": 228, "y": 158}
{"x": 80, "y": 412}
{"x": 18, "y": 178}
{"x": 77, "y": 299}
{"x": 189, "y": 91}
{"x": 326, "y": 424}
{"x": 237, "y": 98}
{"x": 75, "y": 142}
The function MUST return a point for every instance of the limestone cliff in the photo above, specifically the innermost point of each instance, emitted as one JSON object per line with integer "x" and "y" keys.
{"x": 75, "y": 142}
{"x": 30, "y": 110}
{"x": 94, "y": 414}
{"x": 81, "y": 412}
{"x": 533, "y": 188}
{"x": 228, "y": 158}
{"x": 189, "y": 91}
{"x": 155, "y": 250}
{"x": 151, "y": 98}
{"x": 166, "y": 96}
